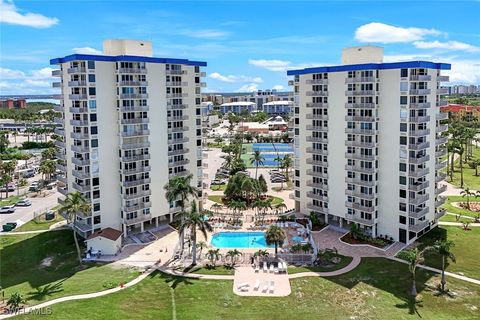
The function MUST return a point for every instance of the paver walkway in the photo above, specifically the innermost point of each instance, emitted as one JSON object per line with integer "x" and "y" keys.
{"x": 457, "y": 224}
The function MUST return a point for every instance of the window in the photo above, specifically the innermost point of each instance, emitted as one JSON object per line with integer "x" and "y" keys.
{"x": 91, "y": 65}
{"x": 93, "y": 117}
{"x": 403, "y": 167}
{"x": 403, "y": 73}
{"x": 403, "y": 194}
{"x": 94, "y": 130}
{"x": 91, "y": 78}
{"x": 403, "y": 86}
{"x": 403, "y": 127}
{"x": 92, "y": 91}
{"x": 96, "y": 181}
{"x": 92, "y": 104}
{"x": 94, "y": 143}
{"x": 403, "y": 141}
{"x": 96, "y": 207}
{"x": 403, "y": 180}
{"x": 402, "y": 220}
{"x": 403, "y": 99}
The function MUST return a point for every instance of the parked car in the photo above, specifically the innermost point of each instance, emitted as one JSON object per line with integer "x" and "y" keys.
{"x": 10, "y": 188}
{"x": 7, "y": 209}
{"x": 215, "y": 182}
{"x": 9, "y": 226}
{"x": 24, "y": 203}
{"x": 33, "y": 188}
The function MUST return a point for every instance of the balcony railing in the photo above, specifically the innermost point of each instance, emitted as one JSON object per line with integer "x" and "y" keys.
{"x": 78, "y": 96}
{"x": 177, "y": 95}
{"x": 417, "y": 173}
{"x": 419, "y": 145}
{"x": 419, "y": 199}
{"x": 361, "y": 182}
{"x": 358, "y": 168}
{"x": 440, "y": 201}
{"x": 317, "y": 93}
{"x": 141, "y": 218}
{"x": 78, "y": 110}
{"x": 360, "y": 79}
{"x": 441, "y": 128}
{"x": 418, "y": 213}
{"x": 134, "y": 121}
{"x": 440, "y": 140}
{"x": 79, "y": 83}
{"x": 56, "y": 73}
{"x": 361, "y": 131}
{"x": 317, "y": 196}
{"x": 418, "y": 186}
{"x": 317, "y": 151}
{"x": 317, "y": 116}
{"x": 358, "y": 194}
{"x": 133, "y": 96}
{"x": 80, "y": 174}
{"x": 317, "y": 162}
{"x": 355, "y": 218}
{"x": 418, "y": 227}
{"x": 322, "y": 186}
{"x": 442, "y": 91}
{"x": 177, "y": 106}
{"x": 441, "y": 116}
{"x": 366, "y": 105}
{"x": 314, "y": 173}
{"x": 175, "y": 72}
{"x": 443, "y": 78}
{"x": 137, "y": 182}
{"x": 136, "y": 207}
{"x": 360, "y": 93}
{"x": 440, "y": 212}
{"x": 420, "y": 77}
{"x": 56, "y": 84}
{"x": 181, "y": 163}
{"x": 358, "y": 206}
{"x": 441, "y": 165}
{"x": 133, "y": 83}
{"x": 316, "y": 139}
{"x": 178, "y": 151}
{"x": 138, "y": 157}
{"x": 138, "y": 194}
{"x": 368, "y": 157}
{"x": 132, "y": 70}
{"x": 440, "y": 176}
{"x": 319, "y": 209}
{"x": 178, "y": 129}
{"x": 80, "y": 162}
{"x": 357, "y": 143}
{"x": 316, "y": 81}
{"x": 440, "y": 189}
{"x": 79, "y": 135}
{"x": 419, "y": 119}
{"x": 136, "y": 170}
{"x": 440, "y": 153}
{"x": 360, "y": 118}
{"x": 79, "y": 123}
{"x": 136, "y": 108}
{"x": 177, "y": 118}
{"x": 316, "y": 128}
{"x": 79, "y": 149}
{"x": 419, "y": 133}
{"x": 419, "y": 159}
{"x": 317, "y": 105}
{"x": 135, "y": 145}
{"x": 76, "y": 70}
{"x": 422, "y": 105}
{"x": 81, "y": 188}
{"x": 135, "y": 133}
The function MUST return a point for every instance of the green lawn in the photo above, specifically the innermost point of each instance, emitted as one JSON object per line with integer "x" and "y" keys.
{"x": 377, "y": 289}
{"x": 219, "y": 199}
{"x": 221, "y": 187}
{"x": 41, "y": 224}
{"x": 469, "y": 178}
{"x": 452, "y": 209}
{"x": 44, "y": 266}
{"x": 10, "y": 200}
{"x": 343, "y": 263}
{"x": 466, "y": 250}
{"x": 220, "y": 270}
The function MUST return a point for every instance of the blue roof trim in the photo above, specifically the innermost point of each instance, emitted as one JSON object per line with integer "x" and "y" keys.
{"x": 372, "y": 66}
{"x": 96, "y": 57}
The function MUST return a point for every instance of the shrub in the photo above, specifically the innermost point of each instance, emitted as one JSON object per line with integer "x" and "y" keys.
{"x": 37, "y": 145}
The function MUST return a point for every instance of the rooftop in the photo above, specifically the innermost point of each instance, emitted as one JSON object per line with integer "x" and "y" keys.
{"x": 239, "y": 103}
{"x": 108, "y": 233}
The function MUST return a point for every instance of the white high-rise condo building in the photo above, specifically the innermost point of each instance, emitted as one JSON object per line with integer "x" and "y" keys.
{"x": 130, "y": 122}
{"x": 369, "y": 144}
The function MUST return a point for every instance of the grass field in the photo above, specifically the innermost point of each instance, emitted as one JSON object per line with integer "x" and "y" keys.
{"x": 469, "y": 178}
{"x": 377, "y": 289}
{"x": 221, "y": 187}
{"x": 466, "y": 249}
{"x": 41, "y": 224}
{"x": 44, "y": 266}
{"x": 219, "y": 270}
{"x": 10, "y": 200}
{"x": 343, "y": 263}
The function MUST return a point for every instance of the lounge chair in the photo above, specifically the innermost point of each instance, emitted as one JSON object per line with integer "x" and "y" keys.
{"x": 265, "y": 287}
{"x": 284, "y": 266}
{"x": 243, "y": 286}
{"x": 276, "y": 269}
{"x": 257, "y": 285}
{"x": 280, "y": 267}
{"x": 265, "y": 268}
{"x": 257, "y": 268}
{"x": 272, "y": 287}
{"x": 271, "y": 268}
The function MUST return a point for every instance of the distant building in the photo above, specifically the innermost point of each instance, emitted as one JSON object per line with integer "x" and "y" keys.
{"x": 238, "y": 107}
{"x": 277, "y": 107}
{"x": 463, "y": 112}
{"x": 258, "y": 97}
{"x": 13, "y": 103}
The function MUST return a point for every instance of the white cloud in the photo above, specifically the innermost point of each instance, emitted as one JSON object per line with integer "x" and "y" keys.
{"x": 86, "y": 50}
{"x": 12, "y": 15}
{"x": 280, "y": 65}
{"x": 31, "y": 82}
{"x": 205, "y": 33}
{"x": 448, "y": 45}
{"x": 384, "y": 33}
{"x": 278, "y": 87}
{"x": 248, "y": 87}
{"x": 10, "y": 74}
{"x": 232, "y": 78}
{"x": 44, "y": 73}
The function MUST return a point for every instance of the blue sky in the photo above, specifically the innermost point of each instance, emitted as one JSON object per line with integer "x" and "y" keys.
{"x": 247, "y": 45}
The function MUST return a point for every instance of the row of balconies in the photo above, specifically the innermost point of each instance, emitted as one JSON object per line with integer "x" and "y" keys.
{"x": 358, "y": 206}
{"x": 368, "y": 157}
{"x": 358, "y": 168}
{"x": 358, "y": 181}
{"x": 322, "y": 186}
{"x": 138, "y": 194}
{"x": 317, "y": 196}
{"x": 141, "y": 218}
{"x": 137, "y": 182}
{"x": 136, "y": 207}
{"x": 357, "y": 193}
{"x": 360, "y": 105}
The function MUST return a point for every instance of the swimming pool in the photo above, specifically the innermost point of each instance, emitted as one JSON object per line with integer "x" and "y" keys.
{"x": 240, "y": 240}
{"x": 297, "y": 239}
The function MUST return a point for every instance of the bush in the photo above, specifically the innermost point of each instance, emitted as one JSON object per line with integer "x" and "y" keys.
{"x": 37, "y": 145}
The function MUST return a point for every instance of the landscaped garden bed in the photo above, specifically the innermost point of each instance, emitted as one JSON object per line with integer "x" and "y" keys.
{"x": 365, "y": 240}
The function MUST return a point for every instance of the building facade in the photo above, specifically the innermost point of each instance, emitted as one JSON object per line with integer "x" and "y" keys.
{"x": 13, "y": 103}
{"x": 130, "y": 122}
{"x": 277, "y": 108}
{"x": 368, "y": 143}
{"x": 238, "y": 107}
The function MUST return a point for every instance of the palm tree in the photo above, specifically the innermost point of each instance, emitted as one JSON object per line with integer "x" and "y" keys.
{"x": 287, "y": 164}
{"x": 275, "y": 236}
{"x": 257, "y": 159}
{"x": 213, "y": 255}
{"x": 193, "y": 221}
{"x": 414, "y": 257}
{"x": 202, "y": 245}
{"x": 15, "y": 301}
{"x": 280, "y": 207}
{"x": 7, "y": 169}
{"x": 443, "y": 248}
{"x": 179, "y": 189}
{"x": 260, "y": 254}
{"x": 216, "y": 207}
{"x": 75, "y": 204}
{"x": 466, "y": 193}
{"x": 47, "y": 168}
{"x": 233, "y": 254}
{"x": 460, "y": 151}
{"x": 474, "y": 163}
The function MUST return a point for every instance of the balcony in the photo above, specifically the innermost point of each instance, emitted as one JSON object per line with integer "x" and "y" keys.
{"x": 442, "y": 103}
{"x": 364, "y": 183}
{"x": 79, "y": 135}
{"x": 418, "y": 227}
{"x": 440, "y": 176}
{"x": 180, "y": 174}
{"x": 290, "y": 83}
{"x": 367, "y": 105}
{"x": 360, "y": 93}
{"x": 175, "y": 72}
{"x": 180, "y": 140}
{"x": 317, "y": 196}
{"x": 419, "y": 159}
{"x": 441, "y": 140}
{"x": 137, "y": 182}
{"x": 58, "y": 108}
{"x": 317, "y": 151}
{"x": 357, "y": 143}
{"x": 133, "y": 96}
{"x": 442, "y": 91}
{"x": 418, "y": 186}
{"x": 79, "y": 83}
{"x": 316, "y": 81}
{"x": 80, "y": 174}
{"x": 59, "y": 132}
{"x": 177, "y": 118}
{"x": 358, "y": 168}
{"x": 317, "y": 116}
{"x": 136, "y": 207}
{"x": 132, "y": 70}
{"x": 139, "y": 169}
{"x": 136, "y": 108}
{"x": 181, "y": 163}
{"x": 443, "y": 78}
{"x": 178, "y": 129}
{"x": 419, "y": 199}
{"x": 358, "y": 206}
{"x": 422, "y": 105}
{"x": 135, "y": 133}
{"x": 81, "y": 188}
{"x": 360, "y": 79}
{"x": 63, "y": 191}
{"x": 135, "y": 145}
{"x": 360, "y": 118}
{"x": 316, "y": 139}
{"x": 440, "y": 212}
{"x": 78, "y": 110}
{"x": 318, "y": 209}
{"x": 420, "y": 92}
{"x": 60, "y": 144}
{"x": 176, "y": 84}
{"x": 177, "y": 95}
{"x": 358, "y": 194}
{"x": 368, "y": 157}
{"x": 313, "y": 173}
{"x": 418, "y": 213}
{"x": 316, "y": 105}
{"x": 61, "y": 167}
{"x": 56, "y": 84}
{"x": 76, "y": 70}
{"x": 79, "y": 123}
{"x": 60, "y": 155}
{"x": 78, "y": 96}
{"x": 441, "y": 128}
{"x": 59, "y": 121}
{"x": 62, "y": 178}
{"x": 419, "y": 145}
{"x": 138, "y": 194}
{"x": 441, "y": 116}
{"x": 80, "y": 162}
{"x": 419, "y": 133}
{"x": 56, "y": 73}
{"x": 133, "y": 83}
{"x": 441, "y": 165}
{"x": 79, "y": 149}
{"x": 138, "y": 157}
{"x": 178, "y": 151}
{"x": 176, "y": 106}
{"x": 317, "y": 93}
{"x": 134, "y": 121}
{"x": 440, "y": 153}
{"x": 317, "y": 162}
{"x": 355, "y": 218}
{"x": 322, "y": 186}
{"x": 440, "y": 189}
{"x": 440, "y": 201}
{"x": 419, "y": 119}
{"x": 361, "y": 131}
{"x": 423, "y": 77}
{"x": 417, "y": 173}
{"x": 139, "y": 219}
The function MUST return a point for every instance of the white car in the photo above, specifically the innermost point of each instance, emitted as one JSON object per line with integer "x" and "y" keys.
{"x": 24, "y": 203}
{"x": 7, "y": 209}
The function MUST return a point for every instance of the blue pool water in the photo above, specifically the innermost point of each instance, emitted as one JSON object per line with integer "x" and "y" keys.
{"x": 240, "y": 240}
{"x": 267, "y": 147}
{"x": 297, "y": 239}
